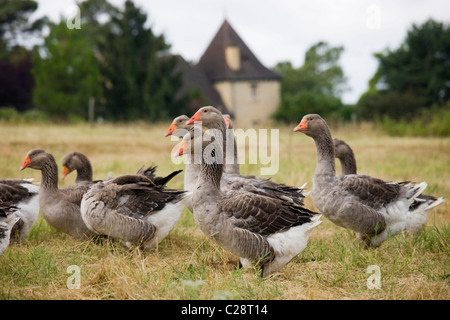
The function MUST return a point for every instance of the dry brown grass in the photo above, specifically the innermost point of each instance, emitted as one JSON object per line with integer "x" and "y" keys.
{"x": 333, "y": 266}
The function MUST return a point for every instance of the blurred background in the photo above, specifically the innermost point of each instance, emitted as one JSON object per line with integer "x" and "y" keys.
{"x": 98, "y": 61}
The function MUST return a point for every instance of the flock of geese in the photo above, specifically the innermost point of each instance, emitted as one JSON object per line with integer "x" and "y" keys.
{"x": 262, "y": 222}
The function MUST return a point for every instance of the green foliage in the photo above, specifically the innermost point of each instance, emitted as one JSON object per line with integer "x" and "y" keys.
{"x": 16, "y": 81}
{"x": 394, "y": 104}
{"x": 139, "y": 78}
{"x": 66, "y": 73}
{"x": 430, "y": 122}
{"x": 34, "y": 116}
{"x": 314, "y": 87}
{"x": 113, "y": 58}
{"x": 11, "y": 115}
{"x": 413, "y": 77}
{"x": 14, "y": 21}
{"x": 421, "y": 64}
{"x": 304, "y": 102}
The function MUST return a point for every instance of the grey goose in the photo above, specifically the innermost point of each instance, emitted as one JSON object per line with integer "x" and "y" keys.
{"x": 231, "y": 182}
{"x": 347, "y": 159}
{"x": 213, "y": 119}
{"x": 79, "y": 162}
{"x": 373, "y": 208}
{"x": 133, "y": 209}
{"x": 258, "y": 228}
{"x": 59, "y": 207}
{"x": 179, "y": 127}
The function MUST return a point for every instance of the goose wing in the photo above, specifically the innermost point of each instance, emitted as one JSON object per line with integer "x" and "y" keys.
{"x": 371, "y": 191}
{"x": 74, "y": 194}
{"x": 263, "y": 215}
{"x": 150, "y": 173}
{"x": 135, "y": 196}
{"x": 267, "y": 187}
{"x": 6, "y": 208}
{"x": 14, "y": 190}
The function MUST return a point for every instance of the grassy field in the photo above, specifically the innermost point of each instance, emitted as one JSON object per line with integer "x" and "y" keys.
{"x": 333, "y": 266}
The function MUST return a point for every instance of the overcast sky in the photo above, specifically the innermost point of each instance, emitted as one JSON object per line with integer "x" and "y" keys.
{"x": 282, "y": 30}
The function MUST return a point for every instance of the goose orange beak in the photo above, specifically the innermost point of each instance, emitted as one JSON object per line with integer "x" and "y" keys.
{"x": 26, "y": 163}
{"x": 65, "y": 172}
{"x": 182, "y": 149}
{"x": 195, "y": 117}
{"x": 171, "y": 129}
{"x": 302, "y": 126}
{"x": 227, "y": 122}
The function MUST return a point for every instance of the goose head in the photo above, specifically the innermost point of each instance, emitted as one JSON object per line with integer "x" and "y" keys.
{"x": 197, "y": 141}
{"x": 178, "y": 126}
{"x": 183, "y": 148}
{"x": 36, "y": 159}
{"x": 312, "y": 125}
{"x": 209, "y": 116}
{"x": 73, "y": 161}
{"x": 190, "y": 139}
{"x": 341, "y": 149}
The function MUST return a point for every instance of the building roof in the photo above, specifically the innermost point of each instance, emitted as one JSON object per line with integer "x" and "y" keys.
{"x": 194, "y": 79}
{"x": 213, "y": 62}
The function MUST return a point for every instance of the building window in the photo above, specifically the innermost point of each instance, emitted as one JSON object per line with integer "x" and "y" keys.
{"x": 253, "y": 86}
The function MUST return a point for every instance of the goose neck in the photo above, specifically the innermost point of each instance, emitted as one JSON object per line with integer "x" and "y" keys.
{"x": 348, "y": 165}
{"x": 191, "y": 174}
{"x": 84, "y": 173}
{"x": 210, "y": 176}
{"x": 325, "y": 155}
{"x": 49, "y": 172}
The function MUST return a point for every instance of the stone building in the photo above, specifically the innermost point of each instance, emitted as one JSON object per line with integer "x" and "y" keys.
{"x": 231, "y": 78}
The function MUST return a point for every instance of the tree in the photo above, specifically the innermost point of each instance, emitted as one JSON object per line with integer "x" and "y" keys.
{"x": 95, "y": 15}
{"x": 315, "y": 87}
{"x": 66, "y": 73}
{"x": 15, "y": 23}
{"x": 138, "y": 72}
{"x": 16, "y": 81}
{"x": 114, "y": 58}
{"x": 413, "y": 77}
